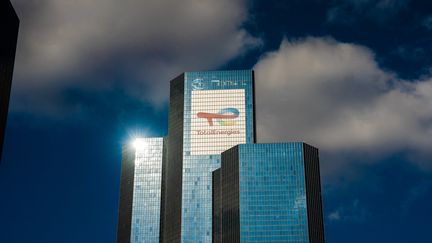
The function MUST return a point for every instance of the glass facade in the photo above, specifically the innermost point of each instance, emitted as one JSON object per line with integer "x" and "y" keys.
{"x": 147, "y": 191}
{"x": 140, "y": 191}
{"x": 271, "y": 193}
{"x": 174, "y": 189}
{"x": 216, "y": 114}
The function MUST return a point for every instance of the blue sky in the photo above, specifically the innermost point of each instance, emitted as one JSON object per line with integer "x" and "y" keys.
{"x": 352, "y": 77}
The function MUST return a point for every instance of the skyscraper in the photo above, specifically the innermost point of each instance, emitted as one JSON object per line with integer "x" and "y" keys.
{"x": 140, "y": 191}
{"x": 9, "y": 23}
{"x": 173, "y": 189}
{"x": 268, "y": 193}
{"x": 209, "y": 113}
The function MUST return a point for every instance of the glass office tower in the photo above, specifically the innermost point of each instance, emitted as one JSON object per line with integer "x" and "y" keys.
{"x": 270, "y": 193}
{"x": 140, "y": 192}
{"x": 209, "y": 113}
{"x": 9, "y": 24}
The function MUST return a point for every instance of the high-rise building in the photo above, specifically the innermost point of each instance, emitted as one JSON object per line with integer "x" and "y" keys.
{"x": 173, "y": 189}
{"x": 269, "y": 193}
{"x": 209, "y": 113}
{"x": 9, "y": 23}
{"x": 140, "y": 191}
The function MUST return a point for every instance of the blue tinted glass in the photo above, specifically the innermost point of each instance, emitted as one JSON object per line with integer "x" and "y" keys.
{"x": 198, "y": 166}
{"x": 272, "y": 193}
{"x": 147, "y": 191}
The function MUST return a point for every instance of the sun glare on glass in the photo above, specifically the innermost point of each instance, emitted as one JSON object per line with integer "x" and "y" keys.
{"x": 139, "y": 144}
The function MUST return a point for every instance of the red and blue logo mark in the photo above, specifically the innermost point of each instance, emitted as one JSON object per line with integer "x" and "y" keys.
{"x": 225, "y": 116}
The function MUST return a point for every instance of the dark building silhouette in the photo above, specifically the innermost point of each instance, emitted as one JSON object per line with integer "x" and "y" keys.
{"x": 9, "y": 23}
{"x": 216, "y": 206}
{"x": 126, "y": 194}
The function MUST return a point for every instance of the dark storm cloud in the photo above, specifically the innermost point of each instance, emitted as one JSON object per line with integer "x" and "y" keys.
{"x": 79, "y": 43}
{"x": 335, "y": 96}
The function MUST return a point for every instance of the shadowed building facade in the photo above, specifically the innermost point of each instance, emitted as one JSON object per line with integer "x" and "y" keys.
{"x": 216, "y": 206}
{"x": 9, "y": 24}
{"x": 268, "y": 193}
{"x": 209, "y": 113}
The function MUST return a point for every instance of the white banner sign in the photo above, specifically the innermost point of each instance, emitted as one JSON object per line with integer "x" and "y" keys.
{"x": 218, "y": 120}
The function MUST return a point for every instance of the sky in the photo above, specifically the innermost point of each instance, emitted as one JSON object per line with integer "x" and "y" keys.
{"x": 351, "y": 77}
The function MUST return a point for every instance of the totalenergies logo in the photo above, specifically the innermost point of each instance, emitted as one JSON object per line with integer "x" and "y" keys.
{"x": 223, "y": 118}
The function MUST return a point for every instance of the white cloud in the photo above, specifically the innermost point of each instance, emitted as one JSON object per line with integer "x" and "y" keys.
{"x": 353, "y": 212}
{"x": 331, "y": 94}
{"x": 335, "y": 96}
{"x": 334, "y": 216}
{"x": 62, "y": 42}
